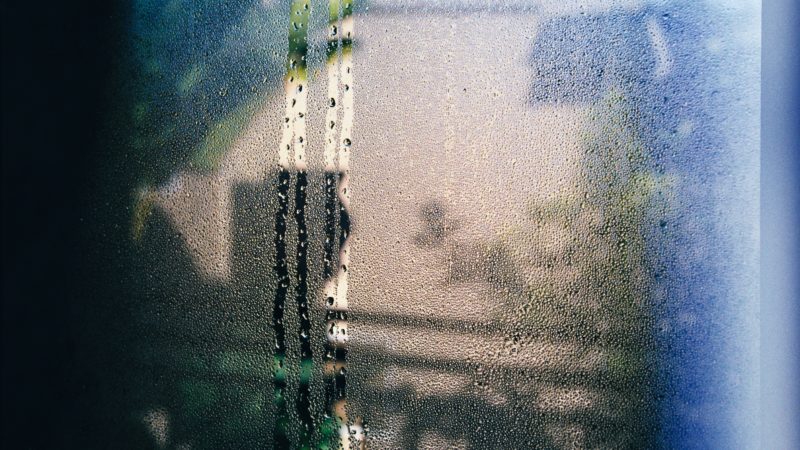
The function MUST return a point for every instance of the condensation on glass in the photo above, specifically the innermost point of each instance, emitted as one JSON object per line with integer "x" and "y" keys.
{"x": 451, "y": 224}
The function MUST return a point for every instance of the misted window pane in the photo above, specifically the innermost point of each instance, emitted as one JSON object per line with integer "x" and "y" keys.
{"x": 454, "y": 224}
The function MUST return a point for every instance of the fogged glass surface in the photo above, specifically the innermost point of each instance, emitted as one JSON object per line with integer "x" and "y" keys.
{"x": 437, "y": 225}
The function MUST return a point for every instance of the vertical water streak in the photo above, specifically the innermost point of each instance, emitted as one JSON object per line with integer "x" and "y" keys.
{"x": 301, "y": 297}
{"x": 345, "y": 145}
{"x": 293, "y": 138}
{"x": 282, "y": 280}
{"x": 333, "y": 55}
{"x": 294, "y": 85}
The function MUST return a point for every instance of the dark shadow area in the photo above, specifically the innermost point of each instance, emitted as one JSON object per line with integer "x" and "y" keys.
{"x": 57, "y": 66}
{"x": 203, "y": 352}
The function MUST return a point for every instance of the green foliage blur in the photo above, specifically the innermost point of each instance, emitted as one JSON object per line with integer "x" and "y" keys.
{"x": 581, "y": 262}
{"x": 197, "y": 72}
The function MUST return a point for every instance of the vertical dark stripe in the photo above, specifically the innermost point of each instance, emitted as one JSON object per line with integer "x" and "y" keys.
{"x": 328, "y": 271}
{"x": 340, "y": 381}
{"x": 344, "y": 221}
{"x": 281, "y": 439}
{"x": 301, "y": 297}
{"x": 341, "y": 353}
{"x": 331, "y": 203}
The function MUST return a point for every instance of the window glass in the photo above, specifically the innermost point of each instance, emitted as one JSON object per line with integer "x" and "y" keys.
{"x": 450, "y": 224}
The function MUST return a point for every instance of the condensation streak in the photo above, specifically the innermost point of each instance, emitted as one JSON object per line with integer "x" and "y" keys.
{"x": 293, "y": 138}
{"x": 333, "y": 354}
{"x": 337, "y": 171}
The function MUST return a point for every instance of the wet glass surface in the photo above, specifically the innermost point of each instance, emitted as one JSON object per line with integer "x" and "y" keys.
{"x": 415, "y": 224}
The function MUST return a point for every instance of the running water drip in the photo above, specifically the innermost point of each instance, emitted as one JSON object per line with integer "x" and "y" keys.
{"x": 332, "y": 354}
{"x": 336, "y": 156}
{"x": 337, "y": 199}
{"x": 350, "y": 430}
{"x": 293, "y": 138}
{"x": 282, "y": 279}
{"x": 301, "y": 297}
